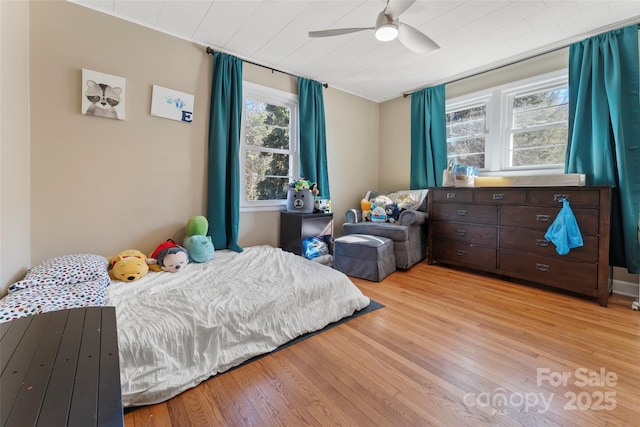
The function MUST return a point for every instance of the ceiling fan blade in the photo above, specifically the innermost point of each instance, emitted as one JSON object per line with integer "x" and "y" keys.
{"x": 337, "y": 32}
{"x": 415, "y": 40}
{"x": 395, "y": 8}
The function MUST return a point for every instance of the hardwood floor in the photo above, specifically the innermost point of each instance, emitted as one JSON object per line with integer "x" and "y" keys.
{"x": 449, "y": 348}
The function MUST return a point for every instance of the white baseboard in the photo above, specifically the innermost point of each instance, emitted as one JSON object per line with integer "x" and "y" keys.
{"x": 625, "y": 288}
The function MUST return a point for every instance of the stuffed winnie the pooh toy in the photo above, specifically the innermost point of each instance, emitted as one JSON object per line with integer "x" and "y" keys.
{"x": 128, "y": 266}
{"x": 168, "y": 257}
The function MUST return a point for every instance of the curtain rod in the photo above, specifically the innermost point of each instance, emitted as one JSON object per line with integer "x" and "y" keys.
{"x": 210, "y": 51}
{"x": 404, "y": 95}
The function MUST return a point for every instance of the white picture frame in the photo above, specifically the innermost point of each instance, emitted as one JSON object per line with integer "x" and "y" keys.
{"x": 103, "y": 95}
{"x": 171, "y": 104}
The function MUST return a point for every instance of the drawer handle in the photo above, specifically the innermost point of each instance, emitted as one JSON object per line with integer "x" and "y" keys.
{"x": 542, "y": 242}
{"x": 461, "y": 252}
{"x": 461, "y": 212}
{"x": 543, "y": 218}
{"x": 461, "y": 232}
{"x": 498, "y": 196}
{"x": 543, "y": 267}
{"x": 560, "y": 197}
{"x": 451, "y": 195}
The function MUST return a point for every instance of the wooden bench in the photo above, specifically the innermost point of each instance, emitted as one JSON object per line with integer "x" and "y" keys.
{"x": 61, "y": 369}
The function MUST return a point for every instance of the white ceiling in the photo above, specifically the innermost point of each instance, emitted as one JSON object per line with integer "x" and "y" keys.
{"x": 474, "y": 35}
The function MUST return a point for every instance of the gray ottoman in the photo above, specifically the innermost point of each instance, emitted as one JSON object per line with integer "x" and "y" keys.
{"x": 364, "y": 256}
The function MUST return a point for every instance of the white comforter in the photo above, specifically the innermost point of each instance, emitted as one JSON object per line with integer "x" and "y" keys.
{"x": 177, "y": 329}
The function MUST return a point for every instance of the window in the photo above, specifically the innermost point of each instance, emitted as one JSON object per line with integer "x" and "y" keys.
{"x": 467, "y": 134}
{"x": 269, "y": 147}
{"x": 517, "y": 127}
{"x": 537, "y": 131}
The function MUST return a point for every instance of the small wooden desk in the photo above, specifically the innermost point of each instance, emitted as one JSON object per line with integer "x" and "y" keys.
{"x": 61, "y": 369}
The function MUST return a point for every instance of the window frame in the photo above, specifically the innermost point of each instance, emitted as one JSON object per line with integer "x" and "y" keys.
{"x": 282, "y": 99}
{"x": 499, "y": 120}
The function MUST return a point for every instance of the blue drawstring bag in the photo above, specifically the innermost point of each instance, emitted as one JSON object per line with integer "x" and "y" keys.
{"x": 564, "y": 232}
{"x": 314, "y": 247}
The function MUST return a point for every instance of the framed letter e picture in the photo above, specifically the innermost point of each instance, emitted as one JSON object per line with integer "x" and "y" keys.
{"x": 171, "y": 104}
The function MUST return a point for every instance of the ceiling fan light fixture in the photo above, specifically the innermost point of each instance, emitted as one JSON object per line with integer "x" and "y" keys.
{"x": 386, "y": 32}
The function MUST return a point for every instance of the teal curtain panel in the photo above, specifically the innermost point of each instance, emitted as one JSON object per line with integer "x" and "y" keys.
{"x": 428, "y": 138}
{"x": 313, "y": 137}
{"x": 604, "y": 130}
{"x": 223, "y": 193}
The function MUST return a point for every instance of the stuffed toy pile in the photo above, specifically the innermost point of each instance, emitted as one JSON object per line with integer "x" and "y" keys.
{"x": 199, "y": 246}
{"x": 383, "y": 209}
{"x": 128, "y": 266}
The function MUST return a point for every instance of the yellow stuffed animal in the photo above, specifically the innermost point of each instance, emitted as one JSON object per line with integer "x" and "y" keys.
{"x": 128, "y": 266}
{"x": 365, "y": 206}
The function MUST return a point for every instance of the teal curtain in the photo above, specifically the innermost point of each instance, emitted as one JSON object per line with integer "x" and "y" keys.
{"x": 223, "y": 193}
{"x": 604, "y": 130}
{"x": 313, "y": 138}
{"x": 428, "y": 137}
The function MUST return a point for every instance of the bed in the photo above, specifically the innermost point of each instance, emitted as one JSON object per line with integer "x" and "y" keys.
{"x": 175, "y": 330}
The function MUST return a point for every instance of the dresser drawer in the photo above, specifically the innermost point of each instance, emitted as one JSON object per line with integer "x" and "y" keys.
{"x": 501, "y": 196}
{"x": 479, "y": 235}
{"x": 541, "y": 217}
{"x": 570, "y": 275}
{"x": 477, "y": 214}
{"x": 533, "y": 242}
{"x": 452, "y": 195}
{"x": 459, "y": 253}
{"x": 586, "y": 198}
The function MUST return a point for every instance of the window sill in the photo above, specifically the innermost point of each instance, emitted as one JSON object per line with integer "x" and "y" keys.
{"x": 263, "y": 208}
{"x": 541, "y": 180}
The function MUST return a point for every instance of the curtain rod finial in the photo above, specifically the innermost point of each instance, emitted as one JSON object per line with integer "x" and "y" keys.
{"x": 209, "y": 50}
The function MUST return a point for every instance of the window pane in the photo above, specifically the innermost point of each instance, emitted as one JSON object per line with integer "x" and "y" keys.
{"x": 476, "y": 160}
{"x": 558, "y": 114}
{"x": 541, "y": 147}
{"x": 266, "y": 125}
{"x": 539, "y": 156}
{"x": 546, "y": 98}
{"x": 262, "y": 163}
{"x": 266, "y": 188}
{"x": 468, "y": 122}
{"x": 261, "y": 135}
{"x": 466, "y": 130}
{"x": 550, "y": 106}
{"x": 540, "y": 138}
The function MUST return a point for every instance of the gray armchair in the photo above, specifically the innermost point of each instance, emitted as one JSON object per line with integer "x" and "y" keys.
{"x": 409, "y": 234}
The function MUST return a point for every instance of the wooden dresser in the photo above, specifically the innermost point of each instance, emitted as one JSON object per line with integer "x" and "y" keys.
{"x": 501, "y": 230}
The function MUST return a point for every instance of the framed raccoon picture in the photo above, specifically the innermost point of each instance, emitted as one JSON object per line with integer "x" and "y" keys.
{"x": 103, "y": 95}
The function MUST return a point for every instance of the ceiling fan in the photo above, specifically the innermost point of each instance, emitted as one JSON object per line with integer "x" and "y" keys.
{"x": 388, "y": 27}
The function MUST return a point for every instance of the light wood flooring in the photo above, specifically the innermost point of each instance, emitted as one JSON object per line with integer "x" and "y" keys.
{"x": 450, "y": 348}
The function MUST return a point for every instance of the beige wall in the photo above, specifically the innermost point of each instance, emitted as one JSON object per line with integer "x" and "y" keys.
{"x": 395, "y": 144}
{"x": 101, "y": 185}
{"x": 14, "y": 142}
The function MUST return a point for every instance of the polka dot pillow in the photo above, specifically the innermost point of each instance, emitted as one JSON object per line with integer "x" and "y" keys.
{"x": 66, "y": 270}
{"x": 44, "y": 298}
